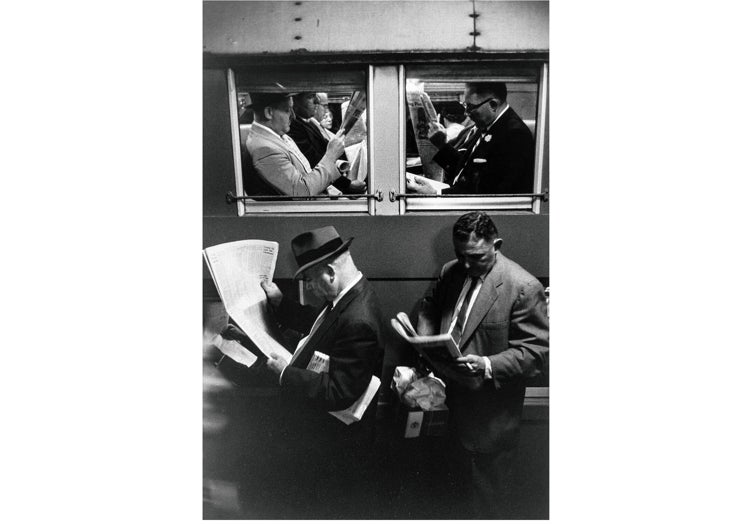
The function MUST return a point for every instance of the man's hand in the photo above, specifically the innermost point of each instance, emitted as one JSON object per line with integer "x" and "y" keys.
{"x": 437, "y": 134}
{"x": 336, "y": 145}
{"x": 357, "y": 187}
{"x": 419, "y": 184}
{"x": 473, "y": 361}
{"x": 273, "y": 292}
{"x": 276, "y": 364}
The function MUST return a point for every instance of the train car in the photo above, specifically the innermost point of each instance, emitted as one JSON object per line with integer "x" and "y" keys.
{"x": 388, "y": 51}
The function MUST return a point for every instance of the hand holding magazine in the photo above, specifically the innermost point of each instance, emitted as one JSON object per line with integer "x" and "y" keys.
{"x": 440, "y": 351}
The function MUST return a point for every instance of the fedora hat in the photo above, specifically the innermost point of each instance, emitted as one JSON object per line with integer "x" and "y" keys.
{"x": 268, "y": 96}
{"x": 314, "y": 246}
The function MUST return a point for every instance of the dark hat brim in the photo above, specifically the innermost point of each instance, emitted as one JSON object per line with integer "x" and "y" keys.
{"x": 336, "y": 252}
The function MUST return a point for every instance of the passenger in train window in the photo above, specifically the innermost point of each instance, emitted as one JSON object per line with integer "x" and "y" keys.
{"x": 496, "y": 157}
{"x": 322, "y": 115}
{"x": 312, "y": 139}
{"x": 332, "y": 456}
{"x": 277, "y": 160}
{"x": 496, "y": 312}
{"x": 454, "y": 119}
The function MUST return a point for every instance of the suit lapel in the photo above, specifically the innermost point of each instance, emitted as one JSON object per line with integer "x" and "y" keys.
{"x": 488, "y": 294}
{"x": 330, "y": 319}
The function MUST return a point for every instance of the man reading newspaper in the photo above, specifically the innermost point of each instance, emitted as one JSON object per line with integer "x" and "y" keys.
{"x": 330, "y": 370}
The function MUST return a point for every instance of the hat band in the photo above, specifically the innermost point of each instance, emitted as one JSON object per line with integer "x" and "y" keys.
{"x": 320, "y": 252}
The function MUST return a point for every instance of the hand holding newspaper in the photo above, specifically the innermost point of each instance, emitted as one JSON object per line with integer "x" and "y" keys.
{"x": 237, "y": 269}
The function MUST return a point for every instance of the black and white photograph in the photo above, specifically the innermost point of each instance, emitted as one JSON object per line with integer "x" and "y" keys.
{"x": 376, "y": 201}
{"x": 278, "y": 260}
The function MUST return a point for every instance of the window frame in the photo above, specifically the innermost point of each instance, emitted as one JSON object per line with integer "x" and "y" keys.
{"x": 386, "y": 179}
{"x": 410, "y": 204}
{"x": 287, "y": 207}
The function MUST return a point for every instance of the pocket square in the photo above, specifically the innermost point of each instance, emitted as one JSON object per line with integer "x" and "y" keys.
{"x": 479, "y": 161}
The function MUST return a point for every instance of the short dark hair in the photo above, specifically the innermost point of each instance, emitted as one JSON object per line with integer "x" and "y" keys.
{"x": 495, "y": 89}
{"x": 259, "y": 109}
{"x": 477, "y": 222}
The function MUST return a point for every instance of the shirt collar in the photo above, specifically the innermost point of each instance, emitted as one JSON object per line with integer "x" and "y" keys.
{"x": 347, "y": 289}
{"x": 267, "y": 128}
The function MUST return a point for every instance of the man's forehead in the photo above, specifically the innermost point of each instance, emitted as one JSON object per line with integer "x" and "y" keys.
{"x": 473, "y": 243}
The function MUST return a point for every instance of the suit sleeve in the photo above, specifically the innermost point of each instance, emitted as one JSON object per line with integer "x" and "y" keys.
{"x": 430, "y": 310}
{"x": 353, "y": 359}
{"x": 276, "y": 169}
{"x": 527, "y": 355}
{"x": 447, "y": 157}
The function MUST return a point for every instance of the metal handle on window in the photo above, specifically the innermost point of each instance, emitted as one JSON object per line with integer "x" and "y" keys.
{"x": 231, "y": 198}
{"x": 404, "y": 196}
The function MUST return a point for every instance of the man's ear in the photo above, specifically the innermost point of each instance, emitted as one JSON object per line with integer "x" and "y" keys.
{"x": 497, "y": 243}
{"x": 267, "y": 111}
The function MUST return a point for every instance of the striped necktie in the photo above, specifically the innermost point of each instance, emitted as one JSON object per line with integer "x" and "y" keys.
{"x": 462, "y": 315}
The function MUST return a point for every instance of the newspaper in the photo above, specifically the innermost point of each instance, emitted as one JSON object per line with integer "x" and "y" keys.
{"x": 356, "y": 107}
{"x": 422, "y": 112}
{"x": 237, "y": 269}
{"x": 320, "y": 363}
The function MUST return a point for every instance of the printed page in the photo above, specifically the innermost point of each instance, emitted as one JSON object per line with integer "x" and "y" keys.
{"x": 237, "y": 269}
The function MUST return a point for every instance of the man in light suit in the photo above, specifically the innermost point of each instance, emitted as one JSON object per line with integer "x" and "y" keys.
{"x": 496, "y": 312}
{"x": 495, "y": 157}
{"x": 277, "y": 161}
{"x": 330, "y": 458}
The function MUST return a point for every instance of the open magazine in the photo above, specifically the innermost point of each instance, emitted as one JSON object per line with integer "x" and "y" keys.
{"x": 440, "y": 351}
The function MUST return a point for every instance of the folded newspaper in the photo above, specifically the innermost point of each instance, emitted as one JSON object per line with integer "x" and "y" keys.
{"x": 320, "y": 363}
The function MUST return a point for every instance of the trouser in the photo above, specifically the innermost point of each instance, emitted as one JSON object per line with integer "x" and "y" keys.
{"x": 487, "y": 481}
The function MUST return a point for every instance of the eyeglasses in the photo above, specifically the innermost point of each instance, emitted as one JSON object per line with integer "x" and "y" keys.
{"x": 469, "y": 108}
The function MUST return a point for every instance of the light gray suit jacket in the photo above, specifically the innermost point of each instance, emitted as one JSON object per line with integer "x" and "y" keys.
{"x": 282, "y": 168}
{"x": 509, "y": 324}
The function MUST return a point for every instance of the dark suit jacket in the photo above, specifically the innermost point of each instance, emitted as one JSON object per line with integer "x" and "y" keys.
{"x": 508, "y": 324}
{"x": 502, "y": 162}
{"x": 351, "y": 335}
{"x": 313, "y": 145}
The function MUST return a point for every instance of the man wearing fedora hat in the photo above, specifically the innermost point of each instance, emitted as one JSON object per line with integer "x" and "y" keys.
{"x": 277, "y": 160}
{"x": 330, "y": 454}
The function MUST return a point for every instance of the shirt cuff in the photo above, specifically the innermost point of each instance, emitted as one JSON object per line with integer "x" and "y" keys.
{"x": 487, "y": 372}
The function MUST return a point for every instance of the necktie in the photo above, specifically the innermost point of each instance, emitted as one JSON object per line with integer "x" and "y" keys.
{"x": 462, "y": 315}
{"x": 315, "y": 326}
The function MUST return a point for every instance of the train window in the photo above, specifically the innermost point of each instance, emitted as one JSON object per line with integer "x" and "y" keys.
{"x": 474, "y": 136}
{"x": 281, "y": 156}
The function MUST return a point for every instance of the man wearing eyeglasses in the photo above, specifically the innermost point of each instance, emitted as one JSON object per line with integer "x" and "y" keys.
{"x": 496, "y": 156}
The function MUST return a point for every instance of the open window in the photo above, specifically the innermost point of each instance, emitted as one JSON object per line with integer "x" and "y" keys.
{"x": 332, "y": 96}
{"x": 466, "y": 172}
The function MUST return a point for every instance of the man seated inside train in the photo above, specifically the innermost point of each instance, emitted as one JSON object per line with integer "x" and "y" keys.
{"x": 454, "y": 119}
{"x": 277, "y": 161}
{"x": 322, "y": 114}
{"x": 312, "y": 139}
{"x": 495, "y": 157}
